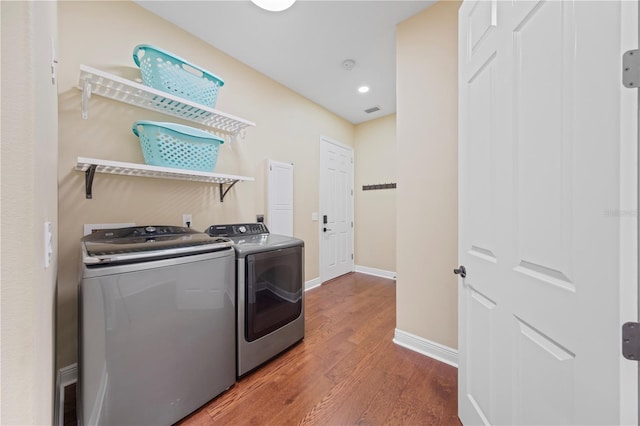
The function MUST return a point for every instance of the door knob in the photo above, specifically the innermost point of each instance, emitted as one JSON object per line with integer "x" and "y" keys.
{"x": 462, "y": 271}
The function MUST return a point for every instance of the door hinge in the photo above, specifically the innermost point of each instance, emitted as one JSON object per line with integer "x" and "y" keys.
{"x": 351, "y": 256}
{"x": 631, "y": 341}
{"x": 54, "y": 62}
{"x": 631, "y": 69}
{"x": 352, "y": 192}
{"x": 352, "y": 224}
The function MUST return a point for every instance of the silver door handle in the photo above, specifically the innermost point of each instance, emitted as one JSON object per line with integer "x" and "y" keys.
{"x": 462, "y": 271}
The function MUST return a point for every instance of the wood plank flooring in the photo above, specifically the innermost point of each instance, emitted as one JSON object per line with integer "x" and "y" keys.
{"x": 346, "y": 371}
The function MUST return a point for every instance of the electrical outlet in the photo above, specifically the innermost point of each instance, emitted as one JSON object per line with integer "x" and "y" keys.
{"x": 186, "y": 220}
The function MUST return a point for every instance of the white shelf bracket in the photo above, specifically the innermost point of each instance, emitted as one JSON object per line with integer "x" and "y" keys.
{"x": 233, "y": 137}
{"x": 86, "y": 95}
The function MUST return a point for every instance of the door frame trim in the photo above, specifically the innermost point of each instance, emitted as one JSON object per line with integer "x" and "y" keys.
{"x": 327, "y": 140}
{"x": 628, "y": 216}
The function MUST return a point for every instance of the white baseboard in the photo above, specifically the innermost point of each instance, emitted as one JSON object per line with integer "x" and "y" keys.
{"x": 316, "y": 282}
{"x": 377, "y": 272}
{"x": 65, "y": 376}
{"x": 426, "y": 347}
{"x": 68, "y": 375}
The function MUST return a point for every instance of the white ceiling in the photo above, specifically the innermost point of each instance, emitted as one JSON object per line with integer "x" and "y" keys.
{"x": 304, "y": 46}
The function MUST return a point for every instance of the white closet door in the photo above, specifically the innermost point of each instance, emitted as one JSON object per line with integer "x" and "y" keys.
{"x": 543, "y": 191}
{"x": 280, "y": 198}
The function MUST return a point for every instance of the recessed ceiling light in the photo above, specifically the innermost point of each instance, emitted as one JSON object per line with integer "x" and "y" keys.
{"x": 363, "y": 89}
{"x": 274, "y": 5}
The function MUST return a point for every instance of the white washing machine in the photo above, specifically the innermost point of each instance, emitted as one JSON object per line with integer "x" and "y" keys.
{"x": 156, "y": 324}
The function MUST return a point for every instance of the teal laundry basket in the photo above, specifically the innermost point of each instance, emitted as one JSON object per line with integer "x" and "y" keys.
{"x": 167, "y": 72}
{"x": 177, "y": 146}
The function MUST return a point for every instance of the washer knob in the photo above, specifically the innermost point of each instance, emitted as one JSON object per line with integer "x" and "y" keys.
{"x": 150, "y": 229}
{"x": 242, "y": 229}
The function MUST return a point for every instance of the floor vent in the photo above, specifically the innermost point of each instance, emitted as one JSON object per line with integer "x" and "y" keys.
{"x": 372, "y": 109}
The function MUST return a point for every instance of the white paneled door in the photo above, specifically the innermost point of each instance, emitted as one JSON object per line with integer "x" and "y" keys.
{"x": 547, "y": 165}
{"x": 280, "y": 199}
{"x": 336, "y": 209}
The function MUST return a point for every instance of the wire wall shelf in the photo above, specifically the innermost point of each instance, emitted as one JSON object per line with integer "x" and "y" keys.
{"x": 91, "y": 166}
{"x": 93, "y": 81}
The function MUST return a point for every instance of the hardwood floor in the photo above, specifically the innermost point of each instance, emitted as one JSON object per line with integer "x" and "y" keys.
{"x": 346, "y": 371}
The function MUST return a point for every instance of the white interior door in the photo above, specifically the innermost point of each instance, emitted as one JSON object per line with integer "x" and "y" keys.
{"x": 336, "y": 209}
{"x": 280, "y": 198}
{"x": 544, "y": 181}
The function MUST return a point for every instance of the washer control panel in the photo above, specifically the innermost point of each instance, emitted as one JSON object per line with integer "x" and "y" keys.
{"x": 237, "y": 230}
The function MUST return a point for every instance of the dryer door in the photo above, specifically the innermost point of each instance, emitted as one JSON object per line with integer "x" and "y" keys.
{"x": 273, "y": 290}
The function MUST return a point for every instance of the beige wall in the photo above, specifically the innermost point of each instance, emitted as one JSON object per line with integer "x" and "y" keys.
{"x": 103, "y": 35}
{"x": 375, "y": 210}
{"x": 427, "y": 174}
{"x": 28, "y": 161}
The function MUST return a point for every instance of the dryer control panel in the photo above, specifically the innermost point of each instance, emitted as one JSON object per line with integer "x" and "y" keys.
{"x": 237, "y": 230}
